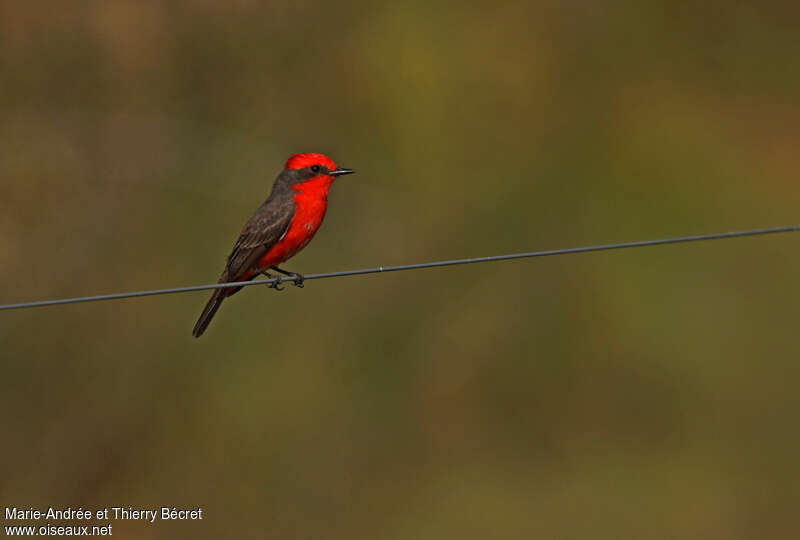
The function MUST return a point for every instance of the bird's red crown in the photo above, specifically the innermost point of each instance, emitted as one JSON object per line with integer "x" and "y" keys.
{"x": 299, "y": 161}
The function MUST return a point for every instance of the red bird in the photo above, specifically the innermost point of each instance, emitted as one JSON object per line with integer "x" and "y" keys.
{"x": 281, "y": 227}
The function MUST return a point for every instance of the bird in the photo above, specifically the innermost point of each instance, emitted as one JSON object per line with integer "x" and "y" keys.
{"x": 283, "y": 225}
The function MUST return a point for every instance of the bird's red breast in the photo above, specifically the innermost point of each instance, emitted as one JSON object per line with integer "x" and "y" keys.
{"x": 311, "y": 202}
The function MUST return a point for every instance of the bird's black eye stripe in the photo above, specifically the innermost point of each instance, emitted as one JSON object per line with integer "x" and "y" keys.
{"x": 315, "y": 168}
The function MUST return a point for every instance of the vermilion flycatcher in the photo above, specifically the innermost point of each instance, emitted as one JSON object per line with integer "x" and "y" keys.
{"x": 281, "y": 227}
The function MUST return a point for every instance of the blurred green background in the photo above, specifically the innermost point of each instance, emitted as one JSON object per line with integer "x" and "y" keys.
{"x": 643, "y": 393}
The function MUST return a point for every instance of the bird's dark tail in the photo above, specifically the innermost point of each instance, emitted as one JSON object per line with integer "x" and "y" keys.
{"x": 208, "y": 313}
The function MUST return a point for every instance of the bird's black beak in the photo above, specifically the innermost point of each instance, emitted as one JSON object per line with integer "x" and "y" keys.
{"x": 340, "y": 172}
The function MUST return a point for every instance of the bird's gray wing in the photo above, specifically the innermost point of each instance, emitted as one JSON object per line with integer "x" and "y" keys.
{"x": 267, "y": 226}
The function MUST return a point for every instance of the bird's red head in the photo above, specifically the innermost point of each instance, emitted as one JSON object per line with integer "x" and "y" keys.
{"x": 300, "y": 161}
{"x": 313, "y": 170}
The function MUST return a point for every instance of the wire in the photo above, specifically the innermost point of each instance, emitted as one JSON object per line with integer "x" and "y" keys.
{"x": 435, "y": 264}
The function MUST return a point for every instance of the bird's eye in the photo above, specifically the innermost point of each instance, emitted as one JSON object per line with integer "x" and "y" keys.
{"x": 315, "y": 168}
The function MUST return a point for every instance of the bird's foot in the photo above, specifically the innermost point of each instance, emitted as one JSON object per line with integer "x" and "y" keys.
{"x": 274, "y": 284}
{"x": 296, "y": 279}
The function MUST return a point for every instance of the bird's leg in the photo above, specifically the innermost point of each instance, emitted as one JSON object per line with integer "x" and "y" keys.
{"x": 275, "y": 284}
{"x": 297, "y": 279}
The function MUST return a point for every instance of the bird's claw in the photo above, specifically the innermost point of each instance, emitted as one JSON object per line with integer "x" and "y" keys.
{"x": 296, "y": 279}
{"x": 274, "y": 284}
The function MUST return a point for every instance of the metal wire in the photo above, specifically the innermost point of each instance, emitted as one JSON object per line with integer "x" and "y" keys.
{"x": 530, "y": 254}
